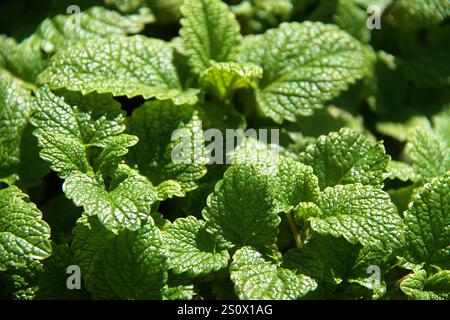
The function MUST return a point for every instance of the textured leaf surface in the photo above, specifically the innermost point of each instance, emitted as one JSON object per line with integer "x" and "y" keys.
{"x": 346, "y": 157}
{"x": 359, "y": 213}
{"x": 90, "y": 235}
{"x": 156, "y": 192}
{"x": 304, "y": 65}
{"x": 241, "y": 208}
{"x": 111, "y": 156}
{"x": 23, "y": 234}
{"x": 19, "y": 283}
{"x": 63, "y": 31}
{"x": 20, "y": 59}
{"x": 427, "y": 223}
{"x": 294, "y": 183}
{"x": 422, "y": 286}
{"x": 323, "y": 258}
{"x": 171, "y": 144}
{"x": 166, "y": 11}
{"x": 258, "y": 279}
{"x": 179, "y": 293}
{"x": 131, "y": 66}
{"x": 429, "y": 153}
{"x": 18, "y": 148}
{"x": 121, "y": 206}
{"x": 401, "y": 131}
{"x": 352, "y": 16}
{"x": 126, "y": 5}
{"x": 401, "y": 170}
{"x": 210, "y": 33}
{"x": 67, "y": 128}
{"x": 256, "y": 16}
{"x": 190, "y": 248}
{"x": 333, "y": 260}
{"x": 222, "y": 79}
{"x": 129, "y": 266}
{"x": 441, "y": 124}
{"x": 291, "y": 181}
{"x": 421, "y": 12}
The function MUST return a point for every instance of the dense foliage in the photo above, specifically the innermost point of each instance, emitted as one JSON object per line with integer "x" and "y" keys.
{"x": 354, "y": 202}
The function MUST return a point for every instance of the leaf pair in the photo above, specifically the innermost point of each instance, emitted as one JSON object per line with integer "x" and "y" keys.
{"x": 81, "y": 137}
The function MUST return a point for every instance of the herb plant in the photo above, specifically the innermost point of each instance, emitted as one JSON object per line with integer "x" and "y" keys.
{"x": 352, "y": 203}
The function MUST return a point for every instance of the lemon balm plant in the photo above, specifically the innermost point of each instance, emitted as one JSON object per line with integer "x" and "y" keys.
{"x": 351, "y": 202}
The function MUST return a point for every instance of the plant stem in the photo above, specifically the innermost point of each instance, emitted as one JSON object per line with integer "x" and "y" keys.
{"x": 295, "y": 233}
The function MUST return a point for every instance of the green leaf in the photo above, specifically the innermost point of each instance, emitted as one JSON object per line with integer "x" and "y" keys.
{"x": 441, "y": 124}
{"x": 68, "y": 128}
{"x": 401, "y": 197}
{"x": 131, "y": 66}
{"x": 305, "y": 65}
{"x": 256, "y": 278}
{"x": 52, "y": 281}
{"x": 210, "y": 33}
{"x": 352, "y": 16}
{"x": 423, "y": 286}
{"x": 18, "y": 148}
{"x": 222, "y": 79}
{"x": 264, "y": 155}
{"x": 346, "y": 157}
{"x": 190, "y": 248}
{"x": 417, "y": 13}
{"x": 179, "y": 293}
{"x": 23, "y": 234}
{"x": 257, "y": 15}
{"x": 294, "y": 183}
{"x": 359, "y": 213}
{"x": 291, "y": 181}
{"x": 126, "y": 6}
{"x": 111, "y": 155}
{"x": 323, "y": 258}
{"x": 401, "y": 170}
{"x": 19, "y": 66}
{"x": 334, "y": 260}
{"x": 129, "y": 266}
{"x": 367, "y": 261}
{"x": 427, "y": 223}
{"x": 122, "y": 205}
{"x": 401, "y": 131}
{"x": 20, "y": 283}
{"x": 63, "y": 31}
{"x": 166, "y": 11}
{"x": 428, "y": 66}
{"x": 429, "y": 153}
{"x": 241, "y": 208}
{"x": 90, "y": 235}
{"x": 170, "y": 144}
{"x": 220, "y": 115}
{"x": 331, "y": 118}
{"x": 20, "y": 59}
{"x": 169, "y": 189}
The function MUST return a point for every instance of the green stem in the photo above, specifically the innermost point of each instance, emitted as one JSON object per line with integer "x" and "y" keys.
{"x": 295, "y": 233}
